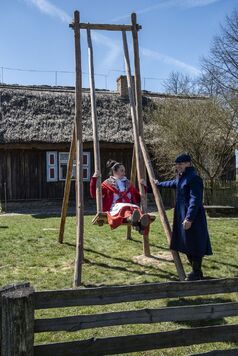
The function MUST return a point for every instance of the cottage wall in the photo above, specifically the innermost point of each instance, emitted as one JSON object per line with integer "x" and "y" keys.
{"x": 23, "y": 170}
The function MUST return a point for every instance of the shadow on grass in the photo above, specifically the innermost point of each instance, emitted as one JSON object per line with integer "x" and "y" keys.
{"x": 55, "y": 215}
{"x": 151, "y": 245}
{"x": 162, "y": 273}
{"x": 3, "y": 227}
{"x": 123, "y": 259}
{"x": 126, "y": 260}
{"x": 223, "y": 263}
{"x": 199, "y": 301}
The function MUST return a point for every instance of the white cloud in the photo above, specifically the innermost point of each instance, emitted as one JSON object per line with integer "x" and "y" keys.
{"x": 49, "y": 9}
{"x": 114, "y": 47}
{"x": 198, "y": 3}
{"x": 142, "y": 11}
{"x": 168, "y": 4}
{"x": 154, "y": 55}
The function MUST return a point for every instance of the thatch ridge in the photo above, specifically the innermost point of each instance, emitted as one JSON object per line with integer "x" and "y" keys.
{"x": 42, "y": 114}
{"x": 47, "y": 116}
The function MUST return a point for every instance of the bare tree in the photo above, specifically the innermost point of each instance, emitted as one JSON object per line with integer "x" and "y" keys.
{"x": 178, "y": 83}
{"x": 221, "y": 65}
{"x": 203, "y": 128}
{"x": 207, "y": 84}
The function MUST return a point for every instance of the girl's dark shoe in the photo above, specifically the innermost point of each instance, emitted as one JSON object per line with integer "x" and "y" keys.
{"x": 144, "y": 221}
{"x": 134, "y": 218}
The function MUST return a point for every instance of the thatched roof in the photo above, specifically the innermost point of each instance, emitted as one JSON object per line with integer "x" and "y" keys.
{"x": 45, "y": 115}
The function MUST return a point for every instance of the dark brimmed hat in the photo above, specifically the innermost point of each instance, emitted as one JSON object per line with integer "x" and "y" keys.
{"x": 183, "y": 158}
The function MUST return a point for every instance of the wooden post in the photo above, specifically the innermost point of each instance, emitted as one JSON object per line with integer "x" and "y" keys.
{"x": 135, "y": 133}
{"x": 138, "y": 96}
{"x": 133, "y": 180}
{"x": 161, "y": 210}
{"x": 18, "y": 322}
{"x": 5, "y": 197}
{"x": 8, "y": 288}
{"x": 133, "y": 167}
{"x": 67, "y": 188}
{"x": 79, "y": 154}
{"x": 96, "y": 149}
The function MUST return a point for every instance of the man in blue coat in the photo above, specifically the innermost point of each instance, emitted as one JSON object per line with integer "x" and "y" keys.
{"x": 190, "y": 233}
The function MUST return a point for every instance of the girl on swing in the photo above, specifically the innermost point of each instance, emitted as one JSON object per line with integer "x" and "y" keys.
{"x": 120, "y": 199}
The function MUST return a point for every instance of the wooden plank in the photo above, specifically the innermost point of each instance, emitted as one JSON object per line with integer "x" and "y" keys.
{"x": 228, "y": 352}
{"x": 119, "y": 294}
{"x": 101, "y": 219}
{"x": 96, "y": 148}
{"x": 141, "y": 342}
{"x": 107, "y": 27}
{"x": 144, "y": 316}
{"x": 161, "y": 209}
{"x": 79, "y": 155}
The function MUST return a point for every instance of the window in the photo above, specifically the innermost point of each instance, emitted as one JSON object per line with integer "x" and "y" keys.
{"x": 86, "y": 166}
{"x": 51, "y": 162}
{"x": 63, "y": 161}
{"x": 56, "y": 167}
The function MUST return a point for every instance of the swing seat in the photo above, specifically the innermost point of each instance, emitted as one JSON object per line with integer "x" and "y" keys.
{"x": 101, "y": 218}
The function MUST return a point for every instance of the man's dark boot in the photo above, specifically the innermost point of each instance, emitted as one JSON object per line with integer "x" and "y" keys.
{"x": 196, "y": 273}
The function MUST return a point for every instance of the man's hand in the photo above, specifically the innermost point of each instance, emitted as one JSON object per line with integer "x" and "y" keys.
{"x": 156, "y": 181}
{"x": 186, "y": 224}
{"x": 143, "y": 182}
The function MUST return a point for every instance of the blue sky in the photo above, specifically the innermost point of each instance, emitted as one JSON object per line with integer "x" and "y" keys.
{"x": 175, "y": 35}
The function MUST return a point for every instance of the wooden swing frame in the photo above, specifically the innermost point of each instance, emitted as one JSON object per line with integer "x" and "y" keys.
{"x": 140, "y": 161}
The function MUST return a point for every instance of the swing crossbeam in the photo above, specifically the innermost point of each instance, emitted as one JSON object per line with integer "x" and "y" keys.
{"x": 106, "y": 27}
{"x": 101, "y": 218}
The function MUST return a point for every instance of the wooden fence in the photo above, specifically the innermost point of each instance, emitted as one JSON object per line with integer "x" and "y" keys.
{"x": 225, "y": 193}
{"x": 18, "y": 303}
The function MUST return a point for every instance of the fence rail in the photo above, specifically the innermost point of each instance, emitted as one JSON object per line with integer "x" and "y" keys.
{"x": 143, "y": 342}
{"x": 19, "y": 302}
{"x": 142, "y": 316}
{"x": 130, "y": 293}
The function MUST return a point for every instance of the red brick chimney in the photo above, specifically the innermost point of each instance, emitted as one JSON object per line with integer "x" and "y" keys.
{"x": 122, "y": 87}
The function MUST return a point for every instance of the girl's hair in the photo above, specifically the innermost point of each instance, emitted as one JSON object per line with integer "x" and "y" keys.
{"x": 113, "y": 166}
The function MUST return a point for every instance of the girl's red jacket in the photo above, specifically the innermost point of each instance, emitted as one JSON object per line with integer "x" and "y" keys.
{"x": 108, "y": 191}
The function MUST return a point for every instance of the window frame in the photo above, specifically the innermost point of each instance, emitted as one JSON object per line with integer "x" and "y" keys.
{"x": 50, "y": 166}
{"x": 85, "y": 166}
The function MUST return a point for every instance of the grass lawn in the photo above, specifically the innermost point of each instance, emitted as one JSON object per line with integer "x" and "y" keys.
{"x": 29, "y": 251}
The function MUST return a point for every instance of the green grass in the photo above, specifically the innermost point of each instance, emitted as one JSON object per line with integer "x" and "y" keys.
{"x": 29, "y": 251}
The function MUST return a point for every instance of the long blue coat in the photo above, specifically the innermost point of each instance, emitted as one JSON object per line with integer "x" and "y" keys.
{"x": 189, "y": 194}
